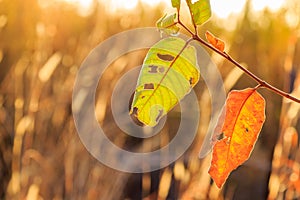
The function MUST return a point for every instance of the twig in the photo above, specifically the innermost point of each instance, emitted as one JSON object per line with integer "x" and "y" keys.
{"x": 261, "y": 82}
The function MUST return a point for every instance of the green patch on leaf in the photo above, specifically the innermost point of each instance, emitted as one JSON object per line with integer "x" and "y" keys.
{"x": 170, "y": 70}
{"x": 200, "y": 11}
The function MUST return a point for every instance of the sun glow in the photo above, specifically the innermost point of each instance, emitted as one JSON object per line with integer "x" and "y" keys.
{"x": 81, "y": 3}
{"x": 270, "y": 4}
{"x": 83, "y": 7}
{"x": 115, "y": 5}
{"x": 225, "y": 8}
{"x": 119, "y": 5}
{"x": 222, "y": 9}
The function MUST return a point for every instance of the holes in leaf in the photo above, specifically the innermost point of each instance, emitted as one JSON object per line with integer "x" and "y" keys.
{"x": 159, "y": 115}
{"x": 161, "y": 69}
{"x": 165, "y": 57}
{"x": 134, "y": 117}
{"x": 247, "y": 130}
{"x": 130, "y": 101}
{"x": 149, "y": 86}
{"x": 228, "y": 140}
{"x": 153, "y": 69}
{"x": 191, "y": 80}
{"x": 135, "y": 111}
{"x": 221, "y": 136}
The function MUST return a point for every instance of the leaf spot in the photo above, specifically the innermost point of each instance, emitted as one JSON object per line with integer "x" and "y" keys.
{"x": 191, "y": 80}
{"x": 135, "y": 118}
{"x": 161, "y": 69}
{"x": 221, "y": 136}
{"x": 153, "y": 69}
{"x": 247, "y": 130}
{"x": 149, "y": 86}
{"x": 165, "y": 57}
{"x": 159, "y": 115}
{"x": 135, "y": 111}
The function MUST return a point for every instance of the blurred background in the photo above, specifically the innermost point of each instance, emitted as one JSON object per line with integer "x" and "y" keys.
{"x": 43, "y": 43}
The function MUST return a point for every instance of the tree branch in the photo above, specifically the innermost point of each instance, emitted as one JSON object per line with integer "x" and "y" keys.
{"x": 253, "y": 76}
{"x": 261, "y": 82}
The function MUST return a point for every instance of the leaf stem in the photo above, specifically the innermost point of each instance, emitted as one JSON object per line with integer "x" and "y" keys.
{"x": 257, "y": 87}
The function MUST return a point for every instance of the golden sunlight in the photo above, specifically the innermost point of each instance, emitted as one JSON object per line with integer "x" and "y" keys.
{"x": 81, "y": 3}
{"x": 273, "y": 5}
{"x": 221, "y": 9}
{"x": 225, "y": 8}
{"x": 119, "y": 5}
{"x": 84, "y": 7}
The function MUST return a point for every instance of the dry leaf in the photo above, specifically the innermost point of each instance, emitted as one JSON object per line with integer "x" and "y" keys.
{"x": 214, "y": 41}
{"x": 235, "y": 136}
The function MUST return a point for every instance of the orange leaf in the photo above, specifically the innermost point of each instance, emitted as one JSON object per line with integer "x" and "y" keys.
{"x": 236, "y": 132}
{"x": 214, "y": 41}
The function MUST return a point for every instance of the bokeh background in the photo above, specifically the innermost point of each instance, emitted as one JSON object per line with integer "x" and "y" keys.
{"x": 43, "y": 43}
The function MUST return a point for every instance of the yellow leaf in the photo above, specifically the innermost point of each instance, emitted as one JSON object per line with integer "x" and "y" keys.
{"x": 200, "y": 11}
{"x": 169, "y": 72}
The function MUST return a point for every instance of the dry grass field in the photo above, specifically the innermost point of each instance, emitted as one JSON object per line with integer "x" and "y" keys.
{"x": 42, "y": 46}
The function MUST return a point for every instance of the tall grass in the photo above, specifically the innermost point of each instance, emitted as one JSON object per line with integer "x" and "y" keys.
{"x": 41, "y": 155}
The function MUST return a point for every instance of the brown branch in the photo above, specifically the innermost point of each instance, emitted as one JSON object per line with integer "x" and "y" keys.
{"x": 261, "y": 82}
{"x": 253, "y": 76}
{"x": 185, "y": 27}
